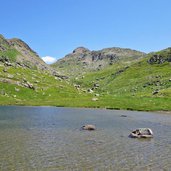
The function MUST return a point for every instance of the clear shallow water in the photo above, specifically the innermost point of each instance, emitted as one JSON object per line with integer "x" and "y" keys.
{"x": 48, "y": 138}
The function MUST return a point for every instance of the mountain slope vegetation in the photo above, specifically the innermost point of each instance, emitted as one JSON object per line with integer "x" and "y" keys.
{"x": 113, "y": 78}
{"x": 145, "y": 84}
{"x": 26, "y": 80}
{"x": 20, "y": 86}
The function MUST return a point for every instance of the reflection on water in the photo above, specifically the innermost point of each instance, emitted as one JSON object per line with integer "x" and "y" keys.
{"x": 48, "y": 138}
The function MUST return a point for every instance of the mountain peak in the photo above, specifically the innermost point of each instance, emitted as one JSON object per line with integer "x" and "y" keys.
{"x": 20, "y": 43}
{"x": 84, "y": 60}
{"x": 19, "y": 53}
{"x": 80, "y": 50}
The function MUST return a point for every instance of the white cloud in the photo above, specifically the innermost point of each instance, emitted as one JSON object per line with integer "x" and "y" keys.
{"x": 49, "y": 59}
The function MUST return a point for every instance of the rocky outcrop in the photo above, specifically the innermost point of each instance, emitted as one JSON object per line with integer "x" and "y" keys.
{"x": 82, "y": 59}
{"x": 63, "y": 77}
{"x": 120, "y": 71}
{"x": 23, "y": 83}
{"x": 156, "y": 59}
{"x": 97, "y": 55}
{"x": 27, "y": 84}
{"x": 160, "y": 57}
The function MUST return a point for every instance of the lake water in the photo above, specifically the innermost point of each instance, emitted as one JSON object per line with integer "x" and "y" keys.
{"x": 49, "y": 138}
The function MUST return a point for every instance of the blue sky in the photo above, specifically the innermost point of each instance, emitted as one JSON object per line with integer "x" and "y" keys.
{"x": 56, "y": 27}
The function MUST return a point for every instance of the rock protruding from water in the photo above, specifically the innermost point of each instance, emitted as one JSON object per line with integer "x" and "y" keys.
{"x": 88, "y": 127}
{"x": 142, "y": 133}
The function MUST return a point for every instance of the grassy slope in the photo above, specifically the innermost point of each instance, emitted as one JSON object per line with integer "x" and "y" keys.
{"x": 121, "y": 87}
{"x": 11, "y": 54}
{"x": 133, "y": 88}
{"x": 49, "y": 91}
{"x": 8, "y": 51}
{"x": 130, "y": 89}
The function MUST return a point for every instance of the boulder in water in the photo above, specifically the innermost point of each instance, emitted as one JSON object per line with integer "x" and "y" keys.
{"x": 88, "y": 127}
{"x": 142, "y": 133}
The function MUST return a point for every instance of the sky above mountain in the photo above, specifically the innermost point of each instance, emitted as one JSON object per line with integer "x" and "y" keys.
{"x": 53, "y": 28}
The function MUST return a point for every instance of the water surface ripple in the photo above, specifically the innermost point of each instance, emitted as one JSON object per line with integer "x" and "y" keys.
{"x": 48, "y": 138}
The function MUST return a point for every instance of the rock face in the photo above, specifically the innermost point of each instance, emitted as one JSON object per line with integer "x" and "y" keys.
{"x": 160, "y": 57}
{"x": 82, "y": 59}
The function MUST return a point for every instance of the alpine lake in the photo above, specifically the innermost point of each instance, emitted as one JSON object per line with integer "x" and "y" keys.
{"x": 50, "y": 139}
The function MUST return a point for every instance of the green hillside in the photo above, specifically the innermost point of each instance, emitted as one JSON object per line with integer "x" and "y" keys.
{"x": 20, "y": 86}
{"x": 141, "y": 85}
{"x": 7, "y": 53}
{"x": 26, "y": 80}
{"x": 113, "y": 78}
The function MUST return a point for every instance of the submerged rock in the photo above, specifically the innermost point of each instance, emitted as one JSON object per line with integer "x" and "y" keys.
{"x": 124, "y": 116}
{"x": 142, "y": 133}
{"x": 88, "y": 127}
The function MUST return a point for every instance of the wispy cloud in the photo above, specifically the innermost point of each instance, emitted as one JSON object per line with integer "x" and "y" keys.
{"x": 49, "y": 59}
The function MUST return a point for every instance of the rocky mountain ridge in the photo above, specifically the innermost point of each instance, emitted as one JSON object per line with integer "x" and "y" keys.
{"x": 17, "y": 52}
{"x": 84, "y": 60}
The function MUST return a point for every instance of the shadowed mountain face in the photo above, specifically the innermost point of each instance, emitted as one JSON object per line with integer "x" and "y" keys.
{"x": 18, "y": 53}
{"x": 83, "y": 60}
